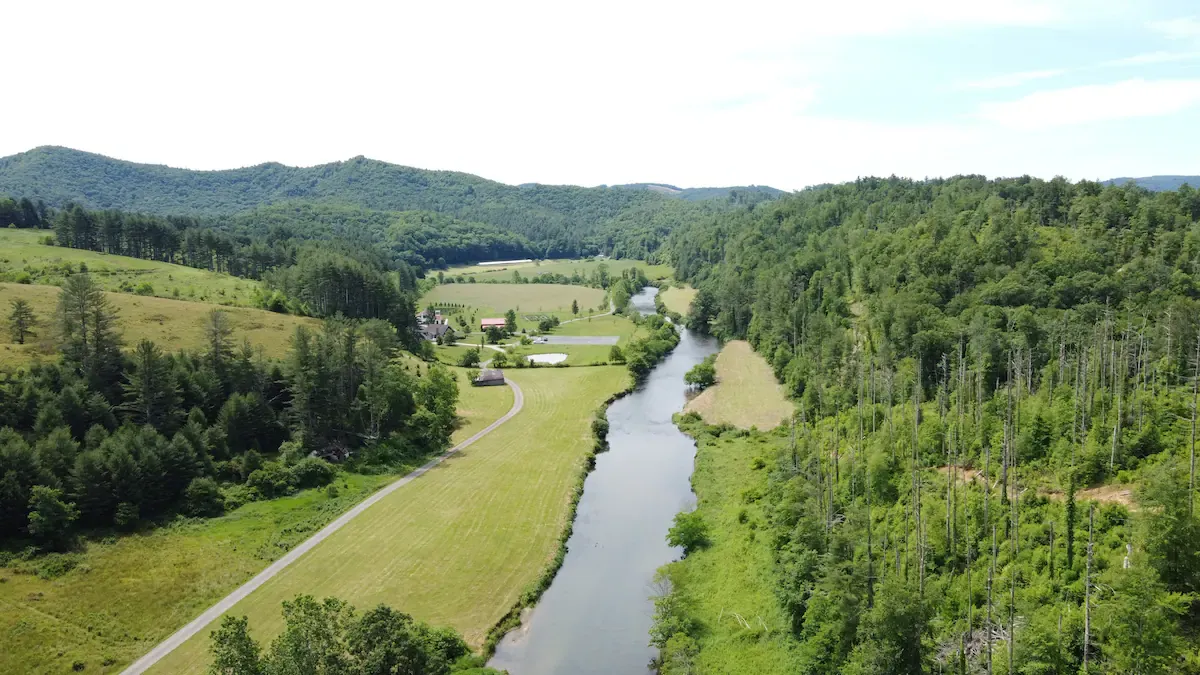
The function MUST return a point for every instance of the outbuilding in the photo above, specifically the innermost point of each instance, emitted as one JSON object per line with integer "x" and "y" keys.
{"x": 485, "y": 324}
{"x": 488, "y": 378}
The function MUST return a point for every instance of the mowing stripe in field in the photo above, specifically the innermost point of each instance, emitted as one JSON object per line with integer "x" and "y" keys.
{"x": 459, "y": 546}
{"x": 227, "y": 603}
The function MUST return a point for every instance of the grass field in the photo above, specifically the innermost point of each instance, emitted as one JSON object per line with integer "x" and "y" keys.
{"x": 458, "y": 546}
{"x": 128, "y": 594}
{"x": 172, "y": 324}
{"x": 733, "y": 575}
{"x": 530, "y": 301}
{"x": 577, "y": 355}
{"x": 679, "y": 299}
{"x": 567, "y": 267}
{"x": 20, "y": 252}
{"x": 745, "y": 395}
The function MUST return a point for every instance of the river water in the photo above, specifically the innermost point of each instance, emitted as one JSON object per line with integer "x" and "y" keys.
{"x": 596, "y": 615}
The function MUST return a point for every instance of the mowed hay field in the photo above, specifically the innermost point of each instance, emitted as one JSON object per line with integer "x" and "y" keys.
{"x": 172, "y": 324}
{"x": 584, "y": 268}
{"x": 679, "y": 299}
{"x": 21, "y": 252}
{"x": 745, "y": 395}
{"x": 128, "y": 594}
{"x": 459, "y": 545}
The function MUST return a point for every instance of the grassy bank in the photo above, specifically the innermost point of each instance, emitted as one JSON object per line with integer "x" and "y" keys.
{"x": 746, "y": 394}
{"x": 126, "y": 594}
{"x": 727, "y": 587}
{"x": 459, "y": 546}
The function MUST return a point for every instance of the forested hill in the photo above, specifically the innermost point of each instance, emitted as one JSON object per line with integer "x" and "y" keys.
{"x": 993, "y": 460}
{"x": 331, "y": 199}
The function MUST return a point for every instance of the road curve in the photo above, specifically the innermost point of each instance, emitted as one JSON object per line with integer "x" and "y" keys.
{"x": 212, "y": 613}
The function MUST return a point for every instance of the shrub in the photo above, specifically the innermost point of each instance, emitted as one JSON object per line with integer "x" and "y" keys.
{"x": 240, "y": 495}
{"x": 23, "y": 278}
{"x": 272, "y": 480}
{"x": 144, "y": 288}
{"x": 312, "y": 472}
{"x": 203, "y": 499}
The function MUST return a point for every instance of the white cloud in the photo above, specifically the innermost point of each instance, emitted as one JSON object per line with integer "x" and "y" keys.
{"x": 1013, "y": 79}
{"x": 1176, "y": 29}
{"x": 1093, "y": 103}
{"x": 1153, "y": 58}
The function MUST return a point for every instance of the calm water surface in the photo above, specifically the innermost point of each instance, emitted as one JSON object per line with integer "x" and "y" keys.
{"x": 595, "y": 617}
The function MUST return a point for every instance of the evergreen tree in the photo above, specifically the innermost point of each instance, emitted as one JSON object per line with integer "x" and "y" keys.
{"x": 50, "y": 517}
{"x": 21, "y": 321}
{"x": 87, "y": 326}
{"x": 150, "y": 390}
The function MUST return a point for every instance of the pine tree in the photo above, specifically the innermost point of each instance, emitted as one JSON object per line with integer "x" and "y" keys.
{"x": 87, "y": 326}
{"x": 151, "y": 393}
{"x": 21, "y": 321}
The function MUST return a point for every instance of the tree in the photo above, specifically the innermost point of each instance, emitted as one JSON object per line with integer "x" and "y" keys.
{"x": 234, "y": 652}
{"x": 218, "y": 335}
{"x": 495, "y": 335}
{"x": 703, "y": 375}
{"x": 616, "y": 355}
{"x": 575, "y": 307}
{"x": 150, "y": 390}
{"x": 87, "y": 326}
{"x": 313, "y": 639}
{"x": 50, "y": 517}
{"x": 510, "y": 321}
{"x": 689, "y": 531}
{"x": 21, "y": 321}
{"x": 469, "y": 358}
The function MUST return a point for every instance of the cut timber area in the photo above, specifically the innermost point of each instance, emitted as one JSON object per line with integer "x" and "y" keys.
{"x": 746, "y": 393}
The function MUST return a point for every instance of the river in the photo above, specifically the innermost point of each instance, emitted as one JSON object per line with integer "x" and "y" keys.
{"x": 596, "y": 615}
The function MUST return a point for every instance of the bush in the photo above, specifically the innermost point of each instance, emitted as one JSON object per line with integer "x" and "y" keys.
{"x": 203, "y": 499}
{"x": 23, "y": 278}
{"x": 312, "y": 472}
{"x": 704, "y": 374}
{"x": 240, "y": 495}
{"x": 470, "y": 358}
{"x": 689, "y": 531}
{"x": 145, "y": 288}
{"x": 272, "y": 480}
{"x": 332, "y": 491}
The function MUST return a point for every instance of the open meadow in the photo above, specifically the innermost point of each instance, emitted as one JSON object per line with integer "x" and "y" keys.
{"x": 125, "y": 594}
{"x": 532, "y": 302}
{"x": 584, "y": 268}
{"x": 678, "y": 299}
{"x": 23, "y": 257}
{"x": 745, "y": 395}
{"x": 172, "y": 324}
{"x": 458, "y": 546}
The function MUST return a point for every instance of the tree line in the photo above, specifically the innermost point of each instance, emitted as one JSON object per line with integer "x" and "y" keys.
{"x": 107, "y": 438}
{"x": 968, "y": 356}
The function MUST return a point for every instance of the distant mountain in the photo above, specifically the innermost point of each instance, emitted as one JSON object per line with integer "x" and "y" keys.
{"x": 1157, "y": 183}
{"x": 362, "y": 196}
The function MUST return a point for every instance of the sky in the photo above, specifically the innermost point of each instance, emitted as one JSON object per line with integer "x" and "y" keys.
{"x": 694, "y": 94}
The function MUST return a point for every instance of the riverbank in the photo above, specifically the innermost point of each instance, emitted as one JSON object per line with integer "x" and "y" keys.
{"x": 717, "y": 611}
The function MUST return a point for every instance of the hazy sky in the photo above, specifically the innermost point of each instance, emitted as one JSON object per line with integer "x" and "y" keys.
{"x": 787, "y": 94}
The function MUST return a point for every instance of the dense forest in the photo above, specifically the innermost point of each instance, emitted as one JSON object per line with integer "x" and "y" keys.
{"x": 112, "y": 439}
{"x": 425, "y": 218}
{"x": 968, "y": 357}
